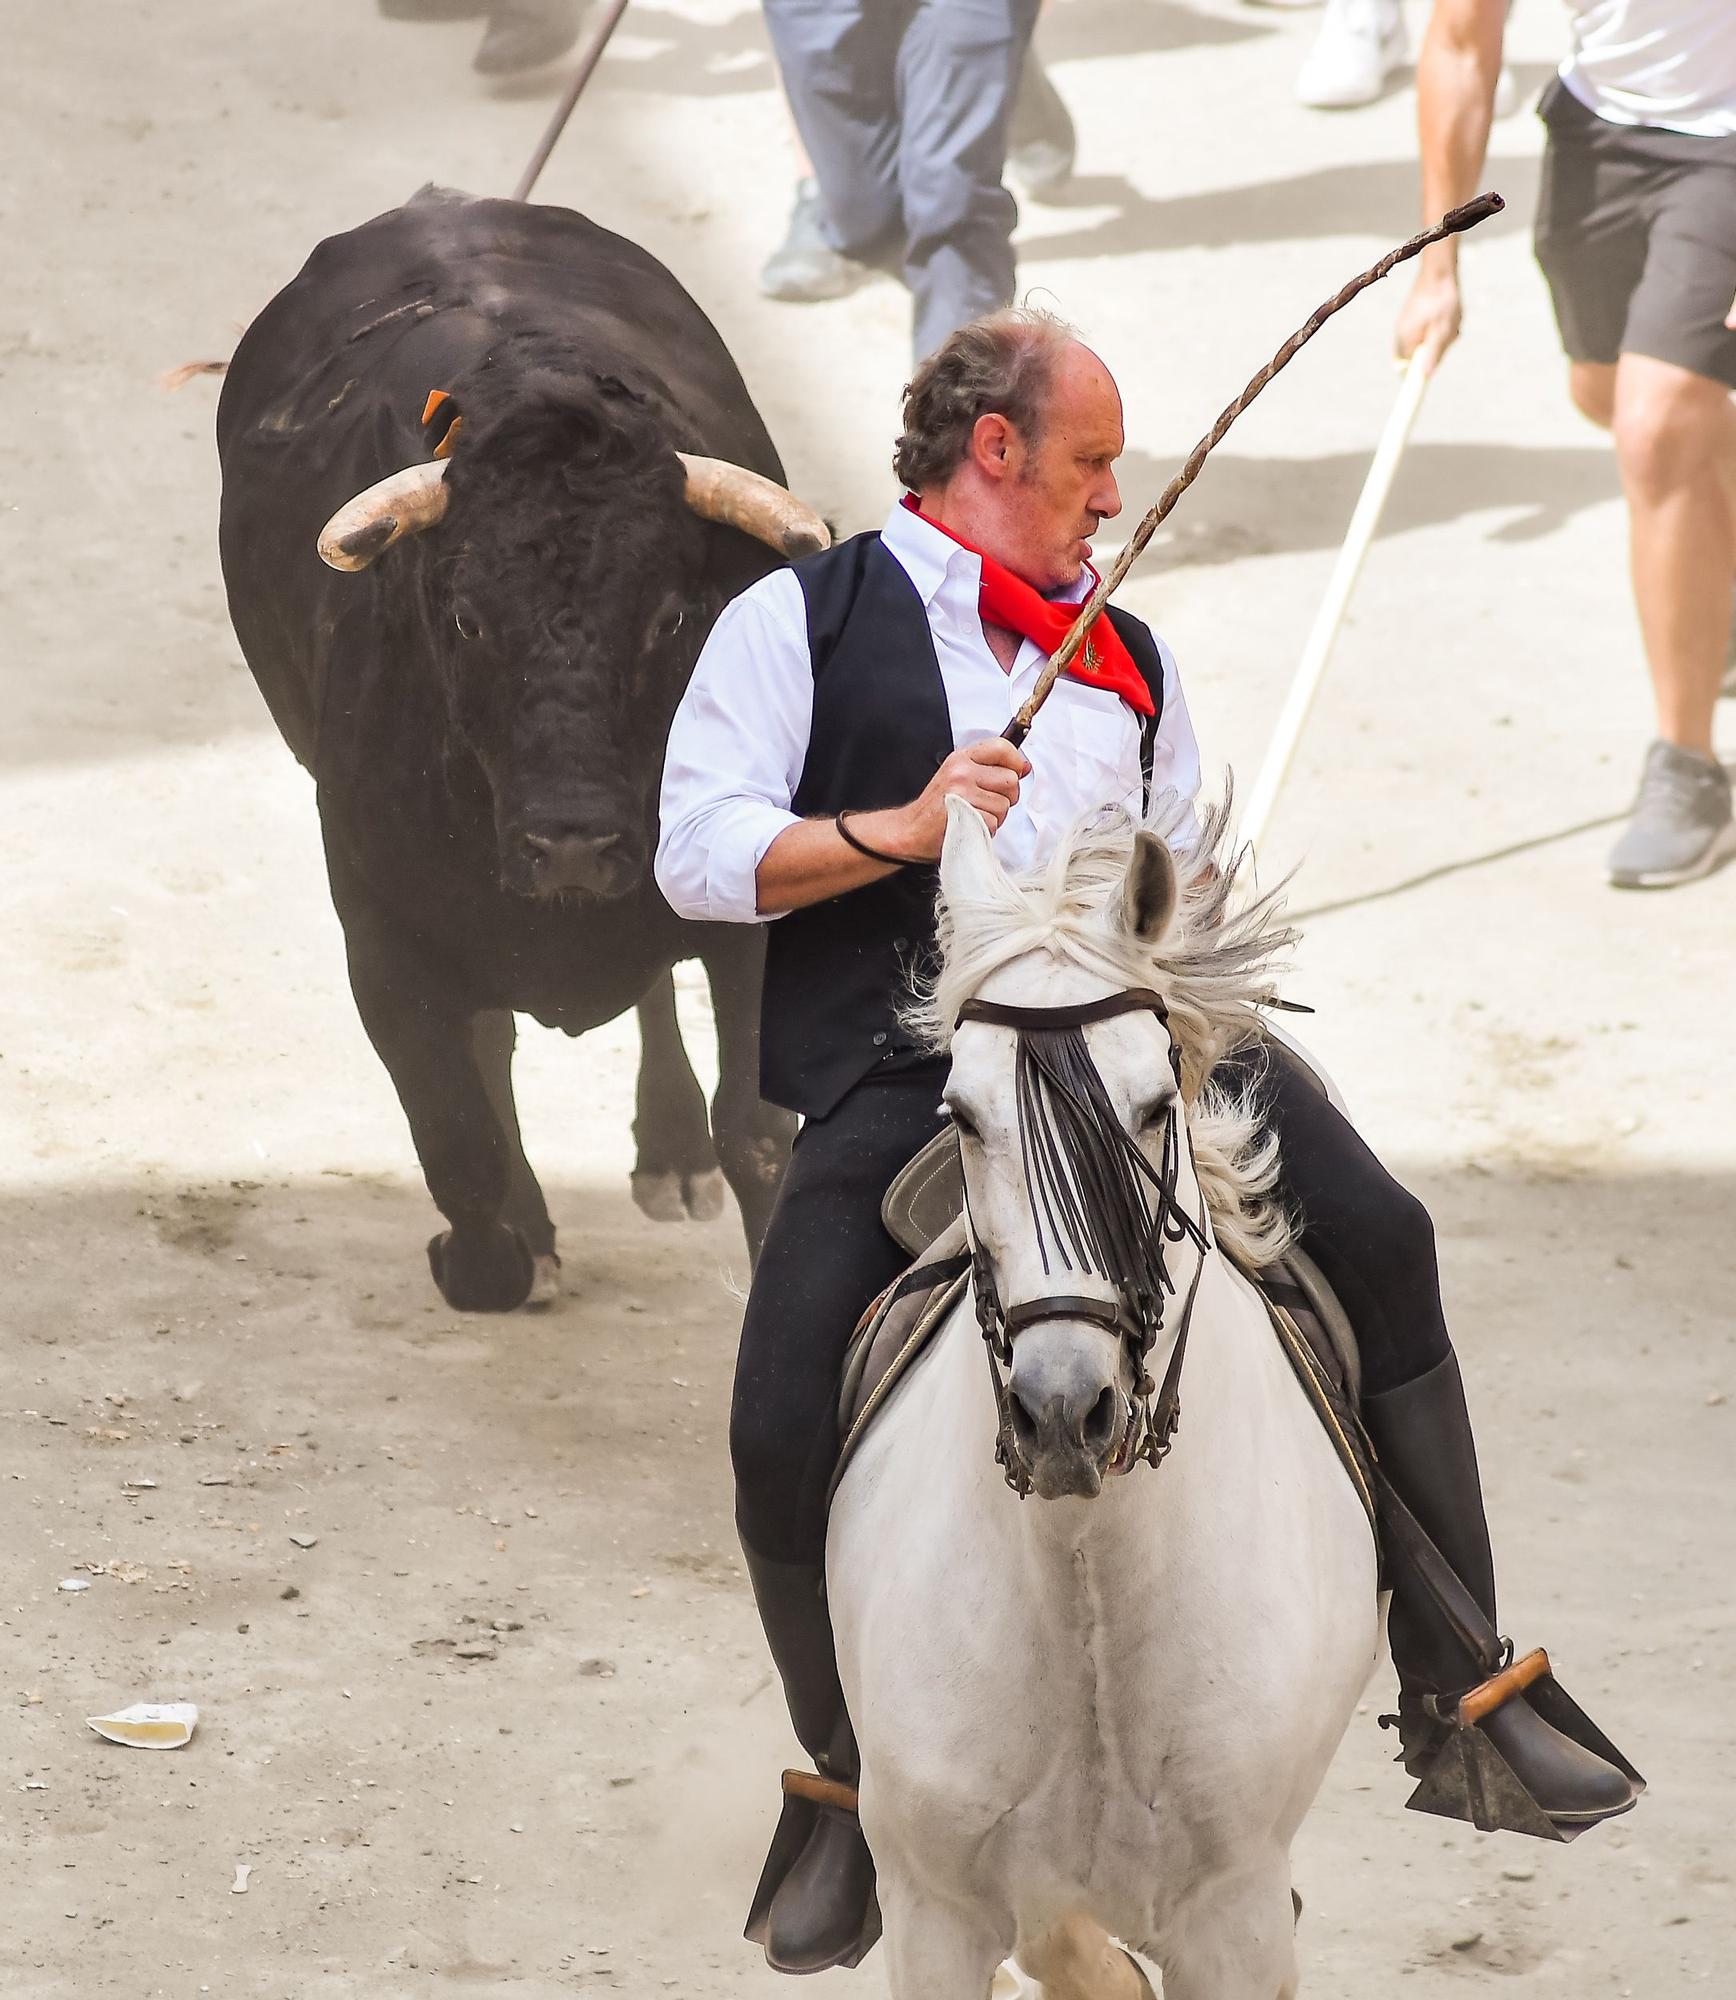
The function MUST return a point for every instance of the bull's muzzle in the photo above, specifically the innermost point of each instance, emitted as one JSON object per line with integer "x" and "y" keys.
{"x": 548, "y": 862}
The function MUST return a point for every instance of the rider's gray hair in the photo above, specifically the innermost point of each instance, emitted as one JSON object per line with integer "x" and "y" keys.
{"x": 1000, "y": 365}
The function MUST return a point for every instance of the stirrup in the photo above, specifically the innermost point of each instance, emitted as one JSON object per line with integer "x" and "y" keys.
{"x": 1469, "y": 1779}
{"x": 820, "y": 1790}
{"x": 807, "y": 1795}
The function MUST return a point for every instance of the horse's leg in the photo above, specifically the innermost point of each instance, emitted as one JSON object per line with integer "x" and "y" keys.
{"x": 493, "y": 1036}
{"x": 1077, "y": 1961}
{"x": 1235, "y": 1939}
{"x": 675, "y": 1171}
{"x": 937, "y": 1951}
{"x": 752, "y": 1136}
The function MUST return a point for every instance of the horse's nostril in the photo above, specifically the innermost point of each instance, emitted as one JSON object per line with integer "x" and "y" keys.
{"x": 1023, "y": 1422}
{"x": 1100, "y": 1424}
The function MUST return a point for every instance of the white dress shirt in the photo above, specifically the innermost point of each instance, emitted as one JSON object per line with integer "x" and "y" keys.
{"x": 740, "y": 737}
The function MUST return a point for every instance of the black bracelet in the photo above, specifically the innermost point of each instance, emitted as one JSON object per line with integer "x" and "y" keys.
{"x": 862, "y": 847}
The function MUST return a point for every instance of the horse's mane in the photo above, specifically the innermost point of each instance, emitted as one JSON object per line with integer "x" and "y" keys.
{"x": 1215, "y": 966}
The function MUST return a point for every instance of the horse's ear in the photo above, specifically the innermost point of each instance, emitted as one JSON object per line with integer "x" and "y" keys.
{"x": 968, "y": 868}
{"x": 1149, "y": 892}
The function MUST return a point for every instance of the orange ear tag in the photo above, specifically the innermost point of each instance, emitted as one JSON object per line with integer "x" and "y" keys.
{"x": 437, "y": 401}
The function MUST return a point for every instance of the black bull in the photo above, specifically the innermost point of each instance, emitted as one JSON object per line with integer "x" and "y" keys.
{"x": 484, "y": 710}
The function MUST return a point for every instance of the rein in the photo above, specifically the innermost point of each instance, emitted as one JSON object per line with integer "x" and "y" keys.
{"x": 1097, "y": 1204}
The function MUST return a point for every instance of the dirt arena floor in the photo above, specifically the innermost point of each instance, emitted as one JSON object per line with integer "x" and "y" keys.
{"x": 504, "y": 1726}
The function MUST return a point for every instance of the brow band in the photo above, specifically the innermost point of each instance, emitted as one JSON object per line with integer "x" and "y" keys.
{"x": 1132, "y": 1000}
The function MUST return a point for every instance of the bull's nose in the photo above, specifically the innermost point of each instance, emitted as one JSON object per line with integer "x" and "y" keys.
{"x": 596, "y": 864}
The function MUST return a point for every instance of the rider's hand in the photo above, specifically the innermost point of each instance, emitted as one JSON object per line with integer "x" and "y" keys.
{"x": 985, "y": 775}
{"x": 1429, "y": 321}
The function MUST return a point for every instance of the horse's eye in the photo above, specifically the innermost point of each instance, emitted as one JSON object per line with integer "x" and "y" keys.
{"x": 962, "y": 1122}
{"x": 468, "y": 628}
{"x": 1154, "y": 1113}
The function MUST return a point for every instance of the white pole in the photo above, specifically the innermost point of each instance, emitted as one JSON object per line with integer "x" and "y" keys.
{"x": 1330, "y": 616}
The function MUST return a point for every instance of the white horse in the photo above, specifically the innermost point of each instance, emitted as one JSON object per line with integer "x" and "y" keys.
{"x": 1104, "y": 1711}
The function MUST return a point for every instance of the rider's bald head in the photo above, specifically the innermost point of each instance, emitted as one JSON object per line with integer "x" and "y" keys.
{"x": 1006, "y": 364}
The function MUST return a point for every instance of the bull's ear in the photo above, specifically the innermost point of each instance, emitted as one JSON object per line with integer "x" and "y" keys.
{"x": 1149, "y": 892}
{"x": 969, "y": 872}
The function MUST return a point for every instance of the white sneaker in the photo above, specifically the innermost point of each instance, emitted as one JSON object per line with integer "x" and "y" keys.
{"x": 1360, "y": 44}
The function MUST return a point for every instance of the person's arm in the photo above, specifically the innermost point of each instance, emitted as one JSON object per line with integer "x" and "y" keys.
{"x": 729, "y": 848}
{"x": 811, "y": 861}
{"x": 1456, "y": 76}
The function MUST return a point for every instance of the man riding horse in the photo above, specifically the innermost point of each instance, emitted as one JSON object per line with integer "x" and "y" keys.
{"x": 835, "y": 708}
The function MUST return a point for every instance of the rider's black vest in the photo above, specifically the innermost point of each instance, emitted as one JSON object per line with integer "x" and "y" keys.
{"x": 837, "y": 971}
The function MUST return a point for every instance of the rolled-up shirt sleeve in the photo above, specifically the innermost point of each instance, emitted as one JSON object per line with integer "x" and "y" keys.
{"x": 736, "y": 751}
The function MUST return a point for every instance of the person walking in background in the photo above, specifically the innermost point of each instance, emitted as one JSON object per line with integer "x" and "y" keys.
{"x": 521, "y": 34}
{"x": 1636, "y": 235}
{"x": 903, "y": 108}
{"x": 1361, "y": 47}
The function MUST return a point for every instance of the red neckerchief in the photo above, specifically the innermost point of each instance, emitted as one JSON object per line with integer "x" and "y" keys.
{"x": 1007, "y": 600}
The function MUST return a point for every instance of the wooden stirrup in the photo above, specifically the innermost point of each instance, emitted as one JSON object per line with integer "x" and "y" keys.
{"x": 1499, "y": 1689}
{"x": 820, "y": 1791}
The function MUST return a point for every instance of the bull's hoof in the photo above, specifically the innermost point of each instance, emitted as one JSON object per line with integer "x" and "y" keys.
{"x": 482, "y": 1270}
{"x": 545, "y": 1284}
{"x": 659, "y": 1196}
{"x": 702, "y": 1195}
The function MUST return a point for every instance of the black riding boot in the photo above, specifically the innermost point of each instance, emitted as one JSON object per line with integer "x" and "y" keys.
{"x": 815, "y": 1907}
{"x": 1422, "y": 1435}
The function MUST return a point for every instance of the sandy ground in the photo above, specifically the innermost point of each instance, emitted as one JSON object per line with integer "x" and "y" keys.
{"x": 506, "y": 1726}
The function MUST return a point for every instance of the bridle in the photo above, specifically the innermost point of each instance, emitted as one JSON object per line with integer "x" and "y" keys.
{"x": 1097, "y": 1199}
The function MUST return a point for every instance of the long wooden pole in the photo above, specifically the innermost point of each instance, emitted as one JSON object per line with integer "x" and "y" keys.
{"x": 1451, "y": 224}
{"x": 607, "y": 22}
{"x": 1312, "y": 668}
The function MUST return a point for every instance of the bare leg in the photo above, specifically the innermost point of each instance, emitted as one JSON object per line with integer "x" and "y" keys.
{"x": 675, "y": 1174}
{"x": 493, "y": 1036}
{"x": 1675, "y": 435}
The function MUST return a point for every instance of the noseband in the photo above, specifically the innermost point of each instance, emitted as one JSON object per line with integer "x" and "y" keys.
{"x": 1097, "y": 1203}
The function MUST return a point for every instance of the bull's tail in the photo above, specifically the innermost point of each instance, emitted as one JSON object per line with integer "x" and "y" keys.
{"x": 172, "y": 379}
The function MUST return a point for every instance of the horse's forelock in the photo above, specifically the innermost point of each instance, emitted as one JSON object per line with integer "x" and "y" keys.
{"x": 1214, "y": 967}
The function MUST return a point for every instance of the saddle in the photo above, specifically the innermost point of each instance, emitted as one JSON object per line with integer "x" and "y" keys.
{"x": 923, "y": 1212}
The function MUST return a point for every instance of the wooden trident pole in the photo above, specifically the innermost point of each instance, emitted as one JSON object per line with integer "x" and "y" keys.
{"x": 592, "y": 54}
{"x": 1450, "y": 224}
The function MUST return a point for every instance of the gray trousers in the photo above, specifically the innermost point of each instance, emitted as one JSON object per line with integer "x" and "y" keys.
{"x": 903, "y": 106}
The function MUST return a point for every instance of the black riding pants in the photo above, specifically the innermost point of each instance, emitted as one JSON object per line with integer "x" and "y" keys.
{"x": 826, "y": 1256}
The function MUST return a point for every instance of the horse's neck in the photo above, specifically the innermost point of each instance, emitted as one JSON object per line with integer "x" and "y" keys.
{"x": 1235, "y": 1413}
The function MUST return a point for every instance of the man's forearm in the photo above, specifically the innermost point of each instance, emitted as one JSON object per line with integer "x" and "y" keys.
{"x": 812, "y": 862}
{"x": 1456, "y": 76}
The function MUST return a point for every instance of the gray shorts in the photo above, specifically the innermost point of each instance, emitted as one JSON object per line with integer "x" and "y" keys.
{"x": 1636, "y": 234}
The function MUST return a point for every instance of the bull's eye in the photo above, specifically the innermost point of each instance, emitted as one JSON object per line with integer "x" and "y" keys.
{"x": 671, "y": 622}
{"x": 468, "y": 628}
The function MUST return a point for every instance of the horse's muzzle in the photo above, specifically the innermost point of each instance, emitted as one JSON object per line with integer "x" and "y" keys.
{"x": 1067, "y": 1409}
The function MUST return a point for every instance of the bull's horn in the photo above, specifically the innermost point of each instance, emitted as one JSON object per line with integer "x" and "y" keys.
{"x": 404, "y": 503}
{"x": 719, "y": 491}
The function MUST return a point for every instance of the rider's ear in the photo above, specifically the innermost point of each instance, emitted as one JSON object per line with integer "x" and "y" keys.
{"x": 969, "y": 871}
{"x": 1148, "y": 895}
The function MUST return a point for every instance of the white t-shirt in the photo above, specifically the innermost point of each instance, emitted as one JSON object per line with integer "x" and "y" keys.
{"x": 1656, "y": 62}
